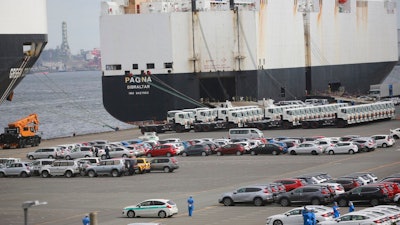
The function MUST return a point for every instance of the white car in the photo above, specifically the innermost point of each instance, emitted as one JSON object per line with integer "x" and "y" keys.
{"x": 342, "y": 147}
{"x": 395, "y": 133}
{"x": 306, "y": 148}
{"x": 151, "y": 208}
{"x": 383, "y": 140}
{"x": 294, "y": 216}
{"x": 358, "y": 218}
{"x": 396, "y": 198}
{"x": 149, "y": 136}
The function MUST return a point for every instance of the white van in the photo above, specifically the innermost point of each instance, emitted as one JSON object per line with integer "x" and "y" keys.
{"x": 250, "y": 133}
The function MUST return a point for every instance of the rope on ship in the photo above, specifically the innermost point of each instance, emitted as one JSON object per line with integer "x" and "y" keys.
{"x": 76, "y": 104}
{"x": 174, "y": 92}
{"x": 14, "y": 79}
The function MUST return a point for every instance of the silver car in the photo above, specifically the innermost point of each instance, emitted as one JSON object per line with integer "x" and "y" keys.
{"x": 43, "y": 153}
{"x": 306, "y": 148}
{"x": 80, "y": 152}
{"x": 257, "y": 194}
{"x": 21, "y": 169}
{"x": 39, "y": 164}
{"x": 67, "y": 168}
{"x": 117, "y": 152}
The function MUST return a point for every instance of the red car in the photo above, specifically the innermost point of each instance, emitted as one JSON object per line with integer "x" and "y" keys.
{"x": 237, "y": 149}
{"x": 162, "y": 150}
{"x": 290, "y": 183}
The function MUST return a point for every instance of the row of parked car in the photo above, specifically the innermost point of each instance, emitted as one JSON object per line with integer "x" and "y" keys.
{"x": 89, "y": 166}
{"x": 319, "y": 189}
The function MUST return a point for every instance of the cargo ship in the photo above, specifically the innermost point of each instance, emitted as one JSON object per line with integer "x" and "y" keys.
{"x": 162, "y": 55}
{"x": 23, "y": 35}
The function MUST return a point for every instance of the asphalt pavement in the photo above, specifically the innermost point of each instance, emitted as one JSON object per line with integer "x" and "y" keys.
{"x": 204, "y": 178}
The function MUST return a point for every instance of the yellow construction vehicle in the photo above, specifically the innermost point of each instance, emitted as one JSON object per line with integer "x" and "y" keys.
{"x": 21, "y": 133}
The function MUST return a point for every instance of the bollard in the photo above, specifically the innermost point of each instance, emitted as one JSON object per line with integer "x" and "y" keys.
{"x": 93, "y": 218}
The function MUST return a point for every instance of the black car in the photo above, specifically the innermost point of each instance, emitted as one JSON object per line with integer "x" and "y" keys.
{"x": 269, "y": 148}
{"x": 373, "y": 195}
{"x": 314, "y": 195}
{"x": 197, "y": 149}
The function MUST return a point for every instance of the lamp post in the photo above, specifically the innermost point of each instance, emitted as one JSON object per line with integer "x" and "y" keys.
{"x": 26, "y": 205}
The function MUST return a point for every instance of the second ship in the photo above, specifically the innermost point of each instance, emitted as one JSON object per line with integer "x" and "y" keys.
{"x": 162, "y": 55}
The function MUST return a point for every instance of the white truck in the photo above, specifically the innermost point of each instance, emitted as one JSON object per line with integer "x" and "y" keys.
{"x": 379, "y": 91}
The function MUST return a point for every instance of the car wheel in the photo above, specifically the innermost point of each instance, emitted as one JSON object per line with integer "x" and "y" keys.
{"x": 384, "y": 145}
{"x": 87, "y": 156}
{"x": 342, "y": 203}
{"x": 203, "y": 154}
{"x": 293, "y": 152}
{"x": 149, "y": 155}
{"x": 124, "y": 156}
{"x": 315, "y": 201}
{"x": 45, "y": 174}
{"x": 374, "y": 202}
{"x": 68, "y": 157}
{"x": 23, "y": 174}
{"x": 238, "y": 153}
{"x": 103, "y": 157}
{"x": 184, "y": 154}
{"x": 162, "y": 214}
{"x": 331, "y": 152}
{"x": 114, "y": 173}
{"x": 68, "y": 174}
{"x": 2, "y": 174}
{"x": 253, "y": 153}
{"x": 277, "y": 222}
{"x": 274, "y": 153}
{"x": 31, "y": 157}
{"x": 91, "y": 173}
{"x": 351, "y": 151}
{"x": 130, "y": 214}
{"x": 258, "y": 202}
{"x": 168, "y": 154}
{"x": 284, "y": 202}
{"x": 166, "y": 169}
{"x": 313, "y": 152}
{"x": 50, "y": 157}
{"x": 227, "y": 201}
{"x": 219, "y": 153}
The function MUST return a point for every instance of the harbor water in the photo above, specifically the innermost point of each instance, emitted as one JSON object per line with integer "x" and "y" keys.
{"x": 67, "y": 103}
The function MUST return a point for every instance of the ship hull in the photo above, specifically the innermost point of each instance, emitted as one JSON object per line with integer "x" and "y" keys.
{"x": 151, "y": 102}
{"x": 13, "y": 57}
{"x": 23, "y": 36}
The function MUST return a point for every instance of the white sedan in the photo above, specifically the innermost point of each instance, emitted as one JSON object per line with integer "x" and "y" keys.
{"x": 306, "y": 148}
{"x": 342, "y": 147}
{"x": 295, "y": 217}
{"x": 151, "y": 208}
{"x": 359, "y": 218}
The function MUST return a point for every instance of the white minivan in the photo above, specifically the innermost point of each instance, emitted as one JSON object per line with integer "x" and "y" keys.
{"x": 249, "y": 133}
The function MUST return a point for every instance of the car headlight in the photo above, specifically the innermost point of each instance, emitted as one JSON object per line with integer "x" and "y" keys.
{"x": 268, "y": 220}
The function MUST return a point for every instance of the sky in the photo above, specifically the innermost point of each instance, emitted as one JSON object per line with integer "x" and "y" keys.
{"x": 82, "y": 18}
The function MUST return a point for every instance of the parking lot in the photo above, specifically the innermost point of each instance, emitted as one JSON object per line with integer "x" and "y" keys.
{"x": 204, "y": 178}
